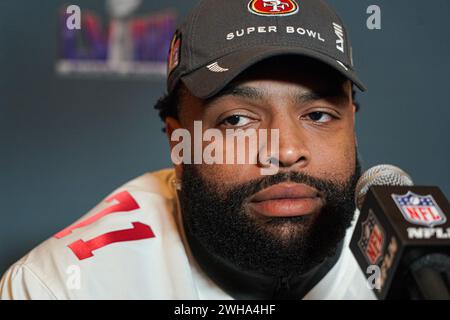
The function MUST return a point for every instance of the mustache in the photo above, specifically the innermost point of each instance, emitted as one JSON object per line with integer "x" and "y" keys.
{"x": 320, "y": 185}
{"x": 244, "y": 191}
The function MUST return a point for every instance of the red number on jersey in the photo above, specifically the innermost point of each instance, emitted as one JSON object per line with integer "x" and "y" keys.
{"x": 83, "y": 249}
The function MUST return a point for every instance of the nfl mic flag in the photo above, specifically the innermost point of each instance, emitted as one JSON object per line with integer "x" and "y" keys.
{"x": 404, "y": 233}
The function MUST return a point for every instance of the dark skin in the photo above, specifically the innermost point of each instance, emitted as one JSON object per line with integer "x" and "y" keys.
{"x": 310, "y": 104}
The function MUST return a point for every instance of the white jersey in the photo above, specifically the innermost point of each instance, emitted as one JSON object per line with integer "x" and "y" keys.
{"x": 132, "y": 246}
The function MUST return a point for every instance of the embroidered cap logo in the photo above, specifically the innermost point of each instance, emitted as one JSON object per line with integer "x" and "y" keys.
{"x": 174, "y": 53}
{"x": 273, "y": 7}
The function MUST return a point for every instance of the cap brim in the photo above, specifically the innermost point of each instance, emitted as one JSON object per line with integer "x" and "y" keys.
{"x": 206, "y": 82}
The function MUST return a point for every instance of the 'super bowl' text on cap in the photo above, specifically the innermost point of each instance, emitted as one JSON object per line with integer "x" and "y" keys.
{"x": 220, "y": 39}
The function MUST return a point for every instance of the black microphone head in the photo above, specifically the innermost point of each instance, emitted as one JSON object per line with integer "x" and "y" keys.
{"x": 380, "y": 175}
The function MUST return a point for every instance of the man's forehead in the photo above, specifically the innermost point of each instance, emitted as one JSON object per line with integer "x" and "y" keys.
{"x": 298, "y": 94}
{"x": 267, "y": 87}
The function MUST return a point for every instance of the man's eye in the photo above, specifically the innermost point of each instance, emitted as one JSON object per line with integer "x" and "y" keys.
{"x": 236, "y": 121}
{"x": 319, "y": 116}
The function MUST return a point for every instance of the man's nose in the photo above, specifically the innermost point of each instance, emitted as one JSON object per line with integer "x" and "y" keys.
{"x": 292, "y": 148}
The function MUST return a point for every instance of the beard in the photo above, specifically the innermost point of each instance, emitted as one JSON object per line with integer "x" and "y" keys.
{"x": 219, "y": 219}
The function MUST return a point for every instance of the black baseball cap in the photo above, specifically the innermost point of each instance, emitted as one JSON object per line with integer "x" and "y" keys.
{"x": 222, "y": 38}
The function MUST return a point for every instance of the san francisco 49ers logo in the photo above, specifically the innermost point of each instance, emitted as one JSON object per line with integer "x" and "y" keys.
{"x": 273, "y": 7}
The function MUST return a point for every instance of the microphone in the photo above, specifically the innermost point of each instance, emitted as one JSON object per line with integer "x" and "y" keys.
{"x": 401, "y": 240}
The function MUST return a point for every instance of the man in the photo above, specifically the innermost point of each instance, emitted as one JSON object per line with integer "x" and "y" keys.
{"x": 228, "y": 229}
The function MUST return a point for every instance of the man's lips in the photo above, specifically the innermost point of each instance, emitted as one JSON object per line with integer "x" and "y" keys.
{"x": 286, "y": 200}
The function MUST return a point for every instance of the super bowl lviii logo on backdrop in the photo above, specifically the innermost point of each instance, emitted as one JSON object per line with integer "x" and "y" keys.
{"x": 420, "y": 210}
{"x": 273, "y": 7}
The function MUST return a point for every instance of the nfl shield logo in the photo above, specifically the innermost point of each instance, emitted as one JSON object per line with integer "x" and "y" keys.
{"x": 421, "y": 210}
{"x": 372, "y": 239}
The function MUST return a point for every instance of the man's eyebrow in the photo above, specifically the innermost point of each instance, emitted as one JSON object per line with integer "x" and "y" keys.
{"x": 239, "y": 91}
{"x": 314, "y": 96}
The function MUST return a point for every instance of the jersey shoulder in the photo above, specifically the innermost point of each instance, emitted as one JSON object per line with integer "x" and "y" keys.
{"x": 119, "y": 249}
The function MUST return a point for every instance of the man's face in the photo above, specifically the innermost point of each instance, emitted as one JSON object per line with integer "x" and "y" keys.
{"x": 292, "y": 220}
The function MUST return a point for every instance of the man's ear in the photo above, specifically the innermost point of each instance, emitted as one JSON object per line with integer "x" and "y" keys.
{"x": 171, "y": 125}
